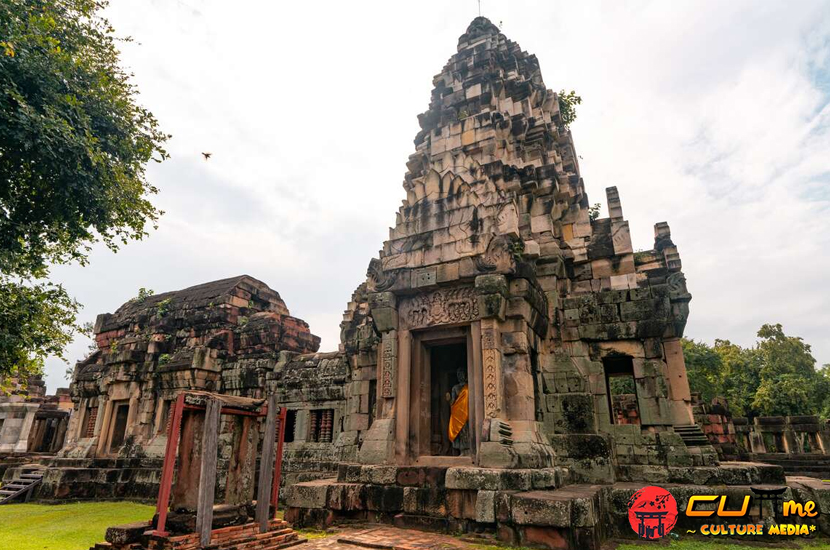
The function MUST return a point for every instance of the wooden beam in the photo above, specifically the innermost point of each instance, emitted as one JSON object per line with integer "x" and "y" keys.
{"x": 169, "y": 463}
{"x": 207, "y": 479}
{"x": 275, "y": 491}
{"x": 266, "y": 465}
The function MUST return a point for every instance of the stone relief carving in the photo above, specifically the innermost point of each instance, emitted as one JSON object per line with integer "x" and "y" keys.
{"x": 491, "y": 378}
{"x": 441, "y": 307}
{"x": 389, "y": 356}
{"x": 677, "y": 287}
{"x": 378, "y": 279}
{"x": 498, "y": 255}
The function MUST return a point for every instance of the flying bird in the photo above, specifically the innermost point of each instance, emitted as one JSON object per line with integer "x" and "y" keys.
{"x": 207, "y": 155}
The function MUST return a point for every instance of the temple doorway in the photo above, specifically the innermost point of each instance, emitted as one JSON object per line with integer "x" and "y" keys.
{"x": 121, "y": 412}
{"x": 448, "y": 377}
{"x": 443, "y": 395}
{"x": 621, "y": 390}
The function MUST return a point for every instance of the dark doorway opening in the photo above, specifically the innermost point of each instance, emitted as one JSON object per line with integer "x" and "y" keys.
{"x": 621, "y": 390}
{"x": 448, "y": 375}
{"x": 50, "y": 426}
{"x": 290, "y": 424}
{"x": 119, "y": 425}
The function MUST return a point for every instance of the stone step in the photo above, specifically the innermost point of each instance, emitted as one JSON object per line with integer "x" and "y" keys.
{"x": 692, "y": 436}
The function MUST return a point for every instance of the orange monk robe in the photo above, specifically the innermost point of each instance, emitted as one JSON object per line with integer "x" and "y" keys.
{"x": 458, "y": 413}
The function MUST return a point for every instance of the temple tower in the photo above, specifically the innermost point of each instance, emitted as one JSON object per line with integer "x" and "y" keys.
{"x": 498, "y": 275}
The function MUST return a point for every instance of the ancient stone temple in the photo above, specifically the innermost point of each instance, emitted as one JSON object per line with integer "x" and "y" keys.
{"x": 32, "y": 422}
{"x": 495, "y": 276}
{"x": 500, "y": 303}
{"x": 509, "y": 365}
{"x": 219, "y": 336}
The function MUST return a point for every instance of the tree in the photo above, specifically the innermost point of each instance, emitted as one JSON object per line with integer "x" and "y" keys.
{"x": 776, "y": 377}
{"x": 703, "y": 368}
{"x": 567, "y": 106}
{"x": 789, "y": 380}
{"x": 73, "y": 149}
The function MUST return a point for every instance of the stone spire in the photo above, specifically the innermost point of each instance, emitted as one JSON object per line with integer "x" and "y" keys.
{"x": 492, "y": 154}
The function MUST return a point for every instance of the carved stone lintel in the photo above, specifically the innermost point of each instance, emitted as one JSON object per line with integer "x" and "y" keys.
{"x": 440, "y": 307}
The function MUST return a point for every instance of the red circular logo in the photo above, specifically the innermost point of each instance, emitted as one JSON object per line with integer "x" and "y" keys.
{"x": 652, "y": 512}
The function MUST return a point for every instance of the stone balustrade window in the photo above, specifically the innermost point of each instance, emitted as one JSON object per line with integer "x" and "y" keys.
{"x": 91, "y": 417}
{"x": 320, "y": 425}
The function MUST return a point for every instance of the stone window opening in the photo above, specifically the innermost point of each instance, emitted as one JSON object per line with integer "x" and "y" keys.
{"x": 290, "y": 425}
{"x": 89, "y": 424}
{"x": 621, "y": 390}
{"x": 373, "y": 401}
{"x": 320, "y": 425}
{"x": 166, "y": 416}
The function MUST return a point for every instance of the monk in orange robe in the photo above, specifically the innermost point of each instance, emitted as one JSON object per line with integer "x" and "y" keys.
{"x": 458, "y": 428}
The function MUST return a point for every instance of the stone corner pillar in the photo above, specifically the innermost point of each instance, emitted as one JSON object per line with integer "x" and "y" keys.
{"x": 379, "y": 443}
{"x": 22, "y": 444}
{"x": 680, "y": 397}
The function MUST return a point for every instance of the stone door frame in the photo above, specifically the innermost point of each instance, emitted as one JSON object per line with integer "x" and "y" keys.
{"x": 413, "y": 432}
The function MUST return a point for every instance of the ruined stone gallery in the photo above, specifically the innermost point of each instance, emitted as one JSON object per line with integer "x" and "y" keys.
{"x": 499, "y": 304}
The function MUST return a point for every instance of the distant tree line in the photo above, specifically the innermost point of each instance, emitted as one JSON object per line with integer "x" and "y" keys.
{"x": 775, "y": 377}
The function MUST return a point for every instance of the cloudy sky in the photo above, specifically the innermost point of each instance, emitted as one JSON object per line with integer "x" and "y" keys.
{"x": 712, "y": 116}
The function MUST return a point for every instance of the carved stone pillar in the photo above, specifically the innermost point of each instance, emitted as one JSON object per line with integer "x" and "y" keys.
{"x": 379, "y": 443}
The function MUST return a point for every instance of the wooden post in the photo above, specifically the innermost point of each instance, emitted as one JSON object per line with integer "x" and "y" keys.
{"x": 169, "y": 465}
{"x": 275, "y": 491}
{"x": 266, "y": 466}
{"x": 207, "y": 479}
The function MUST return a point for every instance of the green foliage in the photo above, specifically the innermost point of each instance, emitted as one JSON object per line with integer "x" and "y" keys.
{"x": 73, "y": 150}
{"x": 517, "y": 249}
{"x": 622, "y": 385}
{"x": 593, "y": 211}
{"x": 567, "y": 106}
{"x": 164, "y": 358}
{"x": 143, "y": 294}
{"x": 163, "y": 307}
{"x": 776, "y": 377}
{"x": 36, "y": 321}
{"x": 73, "y": 142}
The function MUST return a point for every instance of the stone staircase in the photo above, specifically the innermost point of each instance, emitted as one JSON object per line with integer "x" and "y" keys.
{"x": 692, "y": 435}
{"x": 22, "y": 486}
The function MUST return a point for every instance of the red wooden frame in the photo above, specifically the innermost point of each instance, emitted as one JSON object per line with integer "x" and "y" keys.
{"x": 171, "y": 450}
{"x": 275, "y": 490}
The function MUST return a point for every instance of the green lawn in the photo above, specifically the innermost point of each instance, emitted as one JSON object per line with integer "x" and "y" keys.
{"x": 79, "y": 526}
{"x": 64, "y": 526}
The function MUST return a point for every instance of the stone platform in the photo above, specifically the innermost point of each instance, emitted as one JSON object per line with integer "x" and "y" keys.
{"x": 523, "y": 507}
{"x": 96, "y": 479}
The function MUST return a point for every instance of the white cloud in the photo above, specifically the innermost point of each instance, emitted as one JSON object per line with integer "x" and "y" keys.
{"x": 712, "y": 116}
